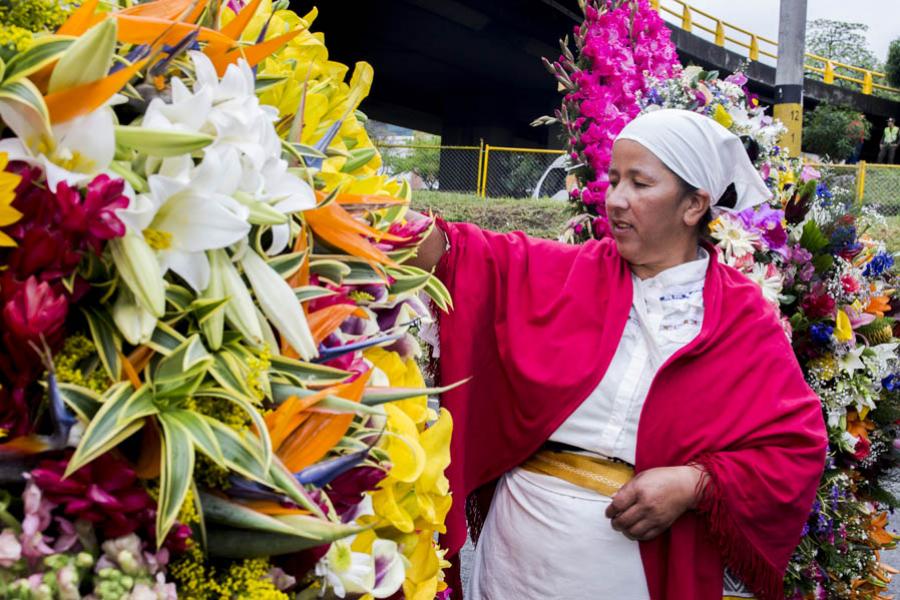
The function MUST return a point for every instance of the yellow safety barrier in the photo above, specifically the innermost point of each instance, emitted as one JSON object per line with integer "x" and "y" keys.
{"x": 685, "y": 16}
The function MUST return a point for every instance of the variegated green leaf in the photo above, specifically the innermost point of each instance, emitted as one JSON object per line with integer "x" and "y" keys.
{"x": 204, "y": 308}
{"x": 201, "y": 433}
{"x": 43, "y": 51}
{"x": 186, "y": 360}
{"x": 408, "y": 279}
{"x": 332, "y": 270}
{"x": 23, "y": 110}
{"x": 140, "y": 404}
{"x": 282, "y": 391}
{"x": 106, "y": 340}
{"x": 374, "y": 396}
{"x": 361, "y": 272}
{"x": 235, "y": 543}
{"x": 224, "y": 512}
{"x": 179, "y": 297}
{"x": 265, "y": 82}
{"x": 83, "y": 401}
{"x": 312, "y": 292}
{"x": 439, "y": 293}
{"x": 358, "y": 158}
{"x": 287, "y": 264}
{"x": 105, "y": 431}
{"x": 165, "y": 339}
{"x": 306, "y": 373}
{"x": 265, "y": 444}
{"x": 241, "y": 451}
{"x": 176, "y": 474}
{"x": 229, "y": 372}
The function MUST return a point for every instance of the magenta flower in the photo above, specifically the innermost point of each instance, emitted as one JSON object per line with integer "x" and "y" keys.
{"x": 105, "y": 492}
{"x": 818, "y": 304}
{"x": 91, "y": 215}
{"x": 34, "y": 310}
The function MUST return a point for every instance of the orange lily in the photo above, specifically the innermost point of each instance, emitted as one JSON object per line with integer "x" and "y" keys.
{"x": 877, "y": 533}
{"x": 858, "y": 427}
{"x": 878, "y": 305}
{"x": 83, "y": 99}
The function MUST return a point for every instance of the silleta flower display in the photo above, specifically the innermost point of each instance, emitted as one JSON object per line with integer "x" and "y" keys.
{"x": 208, "y": 384}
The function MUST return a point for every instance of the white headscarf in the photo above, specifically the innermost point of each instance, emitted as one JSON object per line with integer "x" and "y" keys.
{"x": 700, "y": 151}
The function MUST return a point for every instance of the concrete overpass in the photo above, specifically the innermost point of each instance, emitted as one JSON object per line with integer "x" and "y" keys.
{"x": 468, "y": 69}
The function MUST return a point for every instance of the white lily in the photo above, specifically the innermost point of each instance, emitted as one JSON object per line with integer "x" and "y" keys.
{"x": 240, "y": 311}
{"x": 184, "y": 216}
{"x": 851, "y": 361}
{"x": 135, "y": 323}
{"x": 346, "y": 571}
{"x": 279, "y": 304}
{"x": 77, "y": 151}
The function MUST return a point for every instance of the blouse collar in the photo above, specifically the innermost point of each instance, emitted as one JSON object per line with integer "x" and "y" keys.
{"x": 692, "y": 272}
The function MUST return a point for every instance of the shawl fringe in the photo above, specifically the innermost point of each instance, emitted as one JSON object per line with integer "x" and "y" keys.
{"x": 745, "y": 561}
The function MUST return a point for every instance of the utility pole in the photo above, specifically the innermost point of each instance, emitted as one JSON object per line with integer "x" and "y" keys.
{"x": 789, "y": 73}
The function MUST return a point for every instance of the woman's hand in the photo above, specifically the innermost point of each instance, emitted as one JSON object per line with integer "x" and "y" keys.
{"x": 648, "y": 504}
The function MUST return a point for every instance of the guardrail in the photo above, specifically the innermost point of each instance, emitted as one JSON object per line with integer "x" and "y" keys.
{"x": 757, "y": 46}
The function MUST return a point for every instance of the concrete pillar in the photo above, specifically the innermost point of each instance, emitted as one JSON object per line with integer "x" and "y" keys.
{"x": 789, "y": 73}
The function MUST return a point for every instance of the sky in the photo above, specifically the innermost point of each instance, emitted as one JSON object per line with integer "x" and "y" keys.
{"x": 761, "y": 16}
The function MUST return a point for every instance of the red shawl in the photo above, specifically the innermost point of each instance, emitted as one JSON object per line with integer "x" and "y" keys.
{"x": 536, "y": 325}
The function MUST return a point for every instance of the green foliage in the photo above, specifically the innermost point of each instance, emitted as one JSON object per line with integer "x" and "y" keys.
{"x": 538, "y": 218}
{"x": 833, "y": 131}
{"x": 892, "y": 64}
{"x": 424, "y": 159}
{"x": 842, "y": 42}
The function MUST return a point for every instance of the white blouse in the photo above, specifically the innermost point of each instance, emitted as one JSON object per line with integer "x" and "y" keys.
{"x": 666, "y": 314}
{"x": 547, "y": 538}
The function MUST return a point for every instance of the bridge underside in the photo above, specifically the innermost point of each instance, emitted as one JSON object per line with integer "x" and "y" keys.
{"x": 471, "y": 70}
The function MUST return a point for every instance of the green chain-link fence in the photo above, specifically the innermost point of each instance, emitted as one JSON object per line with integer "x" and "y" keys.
{"x": 484, "y": 170}
{"x": 875, "y": 185}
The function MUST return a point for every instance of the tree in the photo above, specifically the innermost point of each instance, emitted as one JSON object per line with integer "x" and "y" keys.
{"x": 842, "y": 42}
{"x": 423, "y": 158}
{"x": 892, "y": 64}
{"x": 834, "y": 131}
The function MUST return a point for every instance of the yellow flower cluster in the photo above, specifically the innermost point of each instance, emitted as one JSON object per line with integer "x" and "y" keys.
{"x": 304, "y": 66}
{"x": 258, "y": 366}
{"x": 15, "y": 38}
{"x": 67, "y": 364}
{"x": 243, "y": 579}
{"x": 412, "y": 502}
{"x": 34, "y": 15}
{"x": 824, "y": 367}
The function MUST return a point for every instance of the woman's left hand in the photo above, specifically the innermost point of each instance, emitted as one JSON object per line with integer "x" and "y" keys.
{"x": 648, "y": 504}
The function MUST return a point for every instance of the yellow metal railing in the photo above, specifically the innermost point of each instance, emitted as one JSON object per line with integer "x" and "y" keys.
{"x": 872, "y": 183}
{"x": 757, "y": 46}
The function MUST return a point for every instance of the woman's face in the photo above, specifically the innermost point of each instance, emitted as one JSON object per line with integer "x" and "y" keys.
{"x": 652, "y": 217}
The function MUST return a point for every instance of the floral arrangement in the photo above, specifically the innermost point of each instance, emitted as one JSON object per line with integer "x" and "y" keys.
{"x": 621, "y": 47}
{"x": 208, "y": 383}
{"x": 810, "y": 253}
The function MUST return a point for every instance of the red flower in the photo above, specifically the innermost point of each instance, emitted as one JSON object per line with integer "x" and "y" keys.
{"x": 105, "y": 492}
{"x": 34, "y": 310}
{"x": 850, "y": 284}
{"x": 92, "y": 218}
{"x": 818, "y": 304}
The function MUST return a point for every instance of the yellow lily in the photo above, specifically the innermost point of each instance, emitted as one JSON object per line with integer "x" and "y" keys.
{"x": 843, "y": 331}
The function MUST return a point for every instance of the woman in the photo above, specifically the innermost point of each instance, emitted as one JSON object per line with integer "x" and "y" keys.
{"x": 636, "y": 422}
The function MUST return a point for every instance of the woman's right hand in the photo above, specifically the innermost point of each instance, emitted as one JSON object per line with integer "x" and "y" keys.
{"x": 431, "y": 249}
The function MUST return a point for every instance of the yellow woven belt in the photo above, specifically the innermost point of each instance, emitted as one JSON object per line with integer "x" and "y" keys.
{"x": 593, "y": 473}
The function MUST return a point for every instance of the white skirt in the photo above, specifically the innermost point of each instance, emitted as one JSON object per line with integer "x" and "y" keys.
{"x": 545, "y": 538}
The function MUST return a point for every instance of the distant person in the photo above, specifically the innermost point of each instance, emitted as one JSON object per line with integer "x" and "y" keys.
{"x": 889, "y": 142}
{"x": 856, "y": 130}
